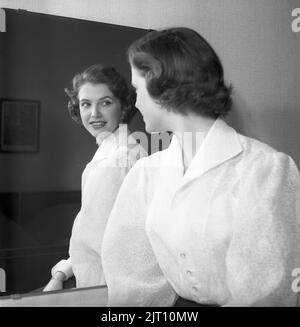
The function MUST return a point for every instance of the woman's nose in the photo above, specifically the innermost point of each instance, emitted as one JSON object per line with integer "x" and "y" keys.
{"x": 96, "y": 112}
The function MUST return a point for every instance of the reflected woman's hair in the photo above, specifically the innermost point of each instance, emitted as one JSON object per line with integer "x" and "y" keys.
{"x": 117, "y": 84}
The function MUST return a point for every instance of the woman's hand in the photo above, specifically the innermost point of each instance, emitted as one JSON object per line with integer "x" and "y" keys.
{"x": 56, "y": 282}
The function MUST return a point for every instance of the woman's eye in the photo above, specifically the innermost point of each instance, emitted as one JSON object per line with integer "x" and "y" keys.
{"x": 84, "y": 105}
{"x": 106, "y": 103}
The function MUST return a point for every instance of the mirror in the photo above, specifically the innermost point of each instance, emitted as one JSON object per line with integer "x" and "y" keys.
{"x": 40, "y": 190}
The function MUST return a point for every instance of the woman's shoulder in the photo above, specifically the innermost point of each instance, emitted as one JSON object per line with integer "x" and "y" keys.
{"x": 252, "y": 146}
{"x": 146, "y": 169}
{"x": 153, "y": 161}
{"x": 258, "y": 155}
{"x": 256, "y": 148}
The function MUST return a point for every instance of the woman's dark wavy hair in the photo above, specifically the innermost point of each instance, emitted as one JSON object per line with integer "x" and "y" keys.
{"x": 182, "y": 72}
{"x": 98, "y": 74}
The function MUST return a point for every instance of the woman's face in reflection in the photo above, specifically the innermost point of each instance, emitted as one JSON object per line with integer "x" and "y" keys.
{"x": 100, "y": 110}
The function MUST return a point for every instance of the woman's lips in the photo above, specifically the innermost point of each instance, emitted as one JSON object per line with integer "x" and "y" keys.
{"x": 97, "y": 124}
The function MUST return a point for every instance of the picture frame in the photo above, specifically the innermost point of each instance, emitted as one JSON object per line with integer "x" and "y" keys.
{"x": 19, "y": 125}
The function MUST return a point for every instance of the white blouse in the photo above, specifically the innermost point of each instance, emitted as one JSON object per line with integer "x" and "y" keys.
{"x": 101, "y": 180}
{"x": 226, "y": 232}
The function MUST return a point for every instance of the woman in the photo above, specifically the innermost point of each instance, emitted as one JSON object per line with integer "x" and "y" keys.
{"x": 100, "y": 99}
{"x": 213, "y": 219}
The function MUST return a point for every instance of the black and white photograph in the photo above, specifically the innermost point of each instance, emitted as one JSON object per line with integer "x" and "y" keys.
{"x": 150, "y": 156}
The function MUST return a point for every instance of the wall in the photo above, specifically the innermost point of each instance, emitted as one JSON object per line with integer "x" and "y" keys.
{"x": 259, "y": 51}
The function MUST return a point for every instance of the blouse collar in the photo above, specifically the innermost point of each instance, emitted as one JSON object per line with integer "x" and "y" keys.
{"x": 112, "y": 142}
{"x": 220, "y": 144}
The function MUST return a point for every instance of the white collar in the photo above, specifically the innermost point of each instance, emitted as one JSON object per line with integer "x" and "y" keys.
{"x": 220, "y": 144}
{"x": 112, "y": 142}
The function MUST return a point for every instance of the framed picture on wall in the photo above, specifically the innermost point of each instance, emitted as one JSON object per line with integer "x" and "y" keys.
{"x": 19, "y": 125}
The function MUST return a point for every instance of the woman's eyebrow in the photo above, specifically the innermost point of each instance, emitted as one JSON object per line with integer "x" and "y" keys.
{"x": 102, "y": 98}
{"x": 106, "y": 97}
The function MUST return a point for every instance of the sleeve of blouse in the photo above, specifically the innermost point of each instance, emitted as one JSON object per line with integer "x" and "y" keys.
{"x": 132, "y": 273}
{"x": 101, "y": 189}
{"x": 100, "y": 192}
{"x": 64, "y": 266}
{"x": 265, "y": 245}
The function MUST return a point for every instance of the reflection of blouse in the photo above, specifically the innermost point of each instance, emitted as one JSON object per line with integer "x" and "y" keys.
{"x": 101, "y": 180}
{"x": 226, "y": 232}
